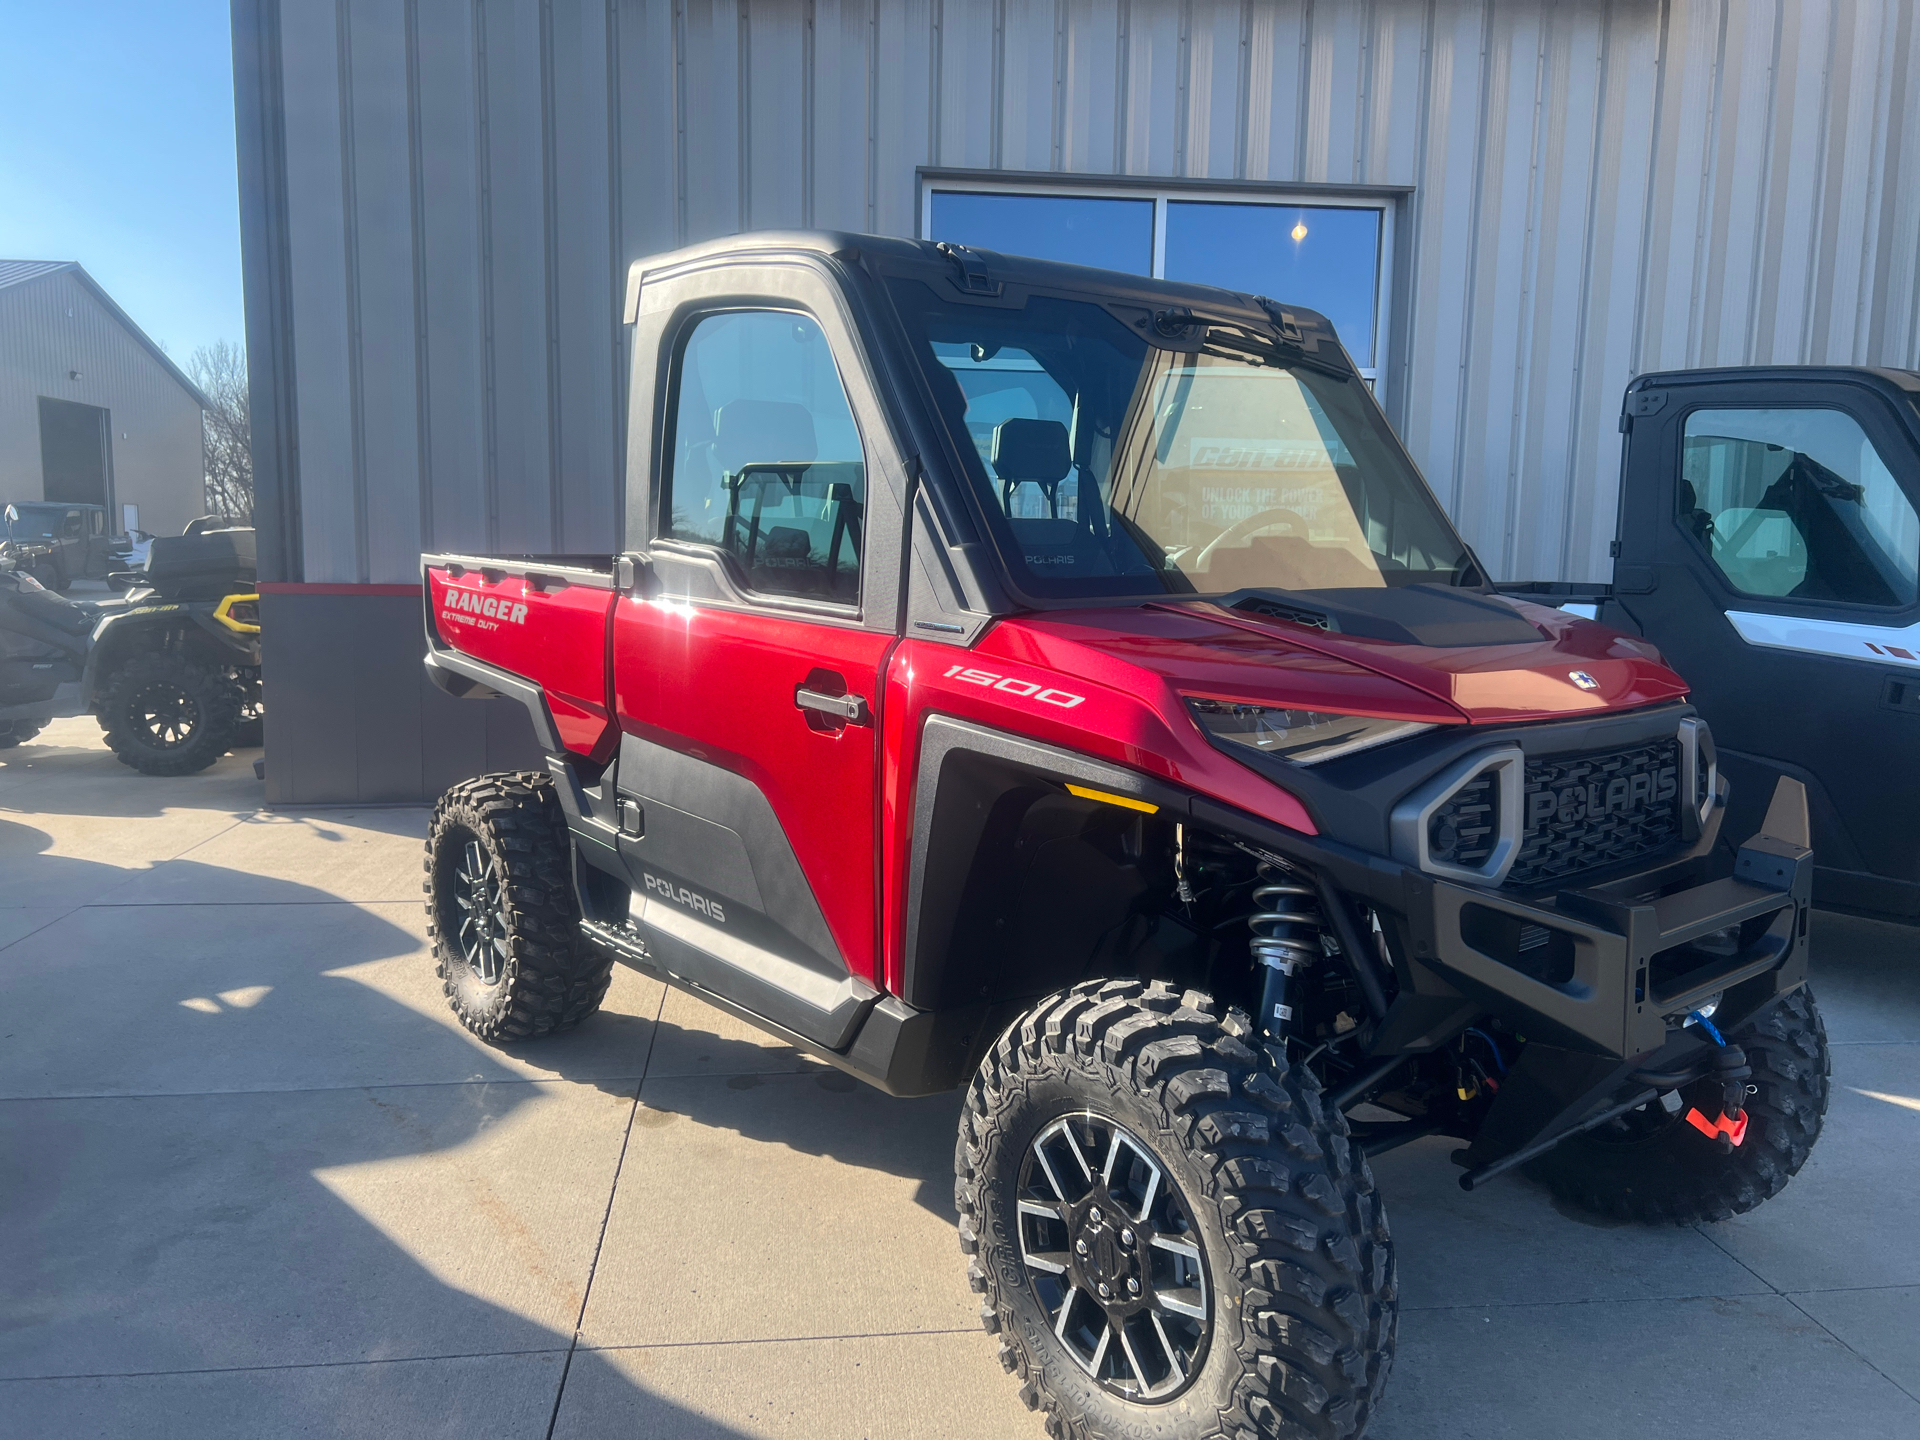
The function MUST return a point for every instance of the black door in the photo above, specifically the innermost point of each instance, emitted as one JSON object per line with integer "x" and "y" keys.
{"x": 75, "y": 456}
{"x": 1769, "y": 546}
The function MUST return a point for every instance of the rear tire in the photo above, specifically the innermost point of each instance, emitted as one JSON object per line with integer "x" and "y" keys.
{"x": 1284, "y": 1323}
{"x": 501, "y": 913}
{"x": 18, "y": 732}
{"x": 165, "y": 714}
{"x": 1656, "y": 1169}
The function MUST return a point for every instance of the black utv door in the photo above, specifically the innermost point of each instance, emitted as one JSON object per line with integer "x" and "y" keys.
{"x": 1769, "y": 547}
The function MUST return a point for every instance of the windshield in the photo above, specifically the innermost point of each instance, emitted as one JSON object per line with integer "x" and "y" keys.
{"x": 36, "y": 522}
{"x": 1109, "y": 466}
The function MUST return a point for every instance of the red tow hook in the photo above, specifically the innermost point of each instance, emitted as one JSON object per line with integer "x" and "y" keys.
{"x": 1728, "y": 1132}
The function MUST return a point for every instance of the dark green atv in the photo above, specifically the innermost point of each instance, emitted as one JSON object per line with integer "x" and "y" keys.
{"x": 171, "y": 670}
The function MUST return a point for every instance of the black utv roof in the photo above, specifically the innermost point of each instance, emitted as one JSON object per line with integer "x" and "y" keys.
{"x": 1905, "y": 381}
{"x": 985, "y": 275}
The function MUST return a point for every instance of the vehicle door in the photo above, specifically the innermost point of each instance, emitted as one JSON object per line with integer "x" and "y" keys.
{"x": 73, "y": 541}
{"x": 1770, "y": 548}
{"x": 99, "y": 544}
{"x": 747, "y": 664}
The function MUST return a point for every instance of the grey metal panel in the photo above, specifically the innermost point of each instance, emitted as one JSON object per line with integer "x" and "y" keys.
{"x": 515, "y": 193}
{"x": 381, "y": 287}
{"x": 456, "y": 501}
{"x": 1600, "y": 187}
{"x": 586, "y": 336}
{"x": 323, "y": 342}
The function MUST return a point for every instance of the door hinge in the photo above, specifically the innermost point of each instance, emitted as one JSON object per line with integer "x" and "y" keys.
{"x": 1613, "y": 549}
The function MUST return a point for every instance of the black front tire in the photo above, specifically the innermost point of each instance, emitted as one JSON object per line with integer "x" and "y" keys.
{"x": 1296, "y": 1272}
{"x": 18, "y": 732}
{"x": 501, "y": 913}
{"x": 167, "y": 714}
{"x": 1651, "y": 1166}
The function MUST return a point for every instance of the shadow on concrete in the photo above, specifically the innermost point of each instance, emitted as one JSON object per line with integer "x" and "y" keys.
{"x": 840, "y": 1117}
{"x": 56, "y": 776}
{"x": 174, "y": 1263}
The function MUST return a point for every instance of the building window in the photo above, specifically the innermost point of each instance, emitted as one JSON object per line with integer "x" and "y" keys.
{"x": 1324, "y": 255}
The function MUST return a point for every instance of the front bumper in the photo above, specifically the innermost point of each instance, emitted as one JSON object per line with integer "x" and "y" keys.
{"x": 1607, "y": 971}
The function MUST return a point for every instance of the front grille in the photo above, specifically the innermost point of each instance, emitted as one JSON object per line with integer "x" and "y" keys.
{"x": 1588, "y": 812}
{"x": 1464, "y": 831}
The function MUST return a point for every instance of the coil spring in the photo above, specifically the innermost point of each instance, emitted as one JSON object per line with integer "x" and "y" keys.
{"x": 1285, "y": 920}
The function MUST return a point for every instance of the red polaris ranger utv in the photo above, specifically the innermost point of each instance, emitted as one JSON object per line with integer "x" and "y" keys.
{"x": 1061, "y": 684}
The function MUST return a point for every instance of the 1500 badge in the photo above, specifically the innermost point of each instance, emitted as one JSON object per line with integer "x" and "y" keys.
{"x": 1025, "y": 689}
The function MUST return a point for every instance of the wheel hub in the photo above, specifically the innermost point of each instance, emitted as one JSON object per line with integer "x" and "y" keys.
{"x": 1106, "y": 1255}
{"x": 1113, "y": 1257}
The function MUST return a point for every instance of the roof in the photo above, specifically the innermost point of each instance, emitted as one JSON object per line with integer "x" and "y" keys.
{"x": 1116, "y": 285}
{"x": 20, "y": 272}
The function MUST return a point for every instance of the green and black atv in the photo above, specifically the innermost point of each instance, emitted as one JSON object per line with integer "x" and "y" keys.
{"x": 171, "y": 669}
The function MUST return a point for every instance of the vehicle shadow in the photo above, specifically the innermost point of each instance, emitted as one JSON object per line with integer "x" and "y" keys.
{"x": 68, "y": 770}
{"x": 245, "y": 1194}
{"x": 810, "y": 1108}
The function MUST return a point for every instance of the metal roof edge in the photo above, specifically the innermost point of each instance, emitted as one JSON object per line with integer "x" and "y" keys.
{"x": 62, "y": 267}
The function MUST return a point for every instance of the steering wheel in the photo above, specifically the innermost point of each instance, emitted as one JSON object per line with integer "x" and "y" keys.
{"x": 1259, "y": 520}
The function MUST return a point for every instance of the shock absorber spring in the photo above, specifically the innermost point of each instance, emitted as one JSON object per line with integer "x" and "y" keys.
{"x": 1286, "y": 937}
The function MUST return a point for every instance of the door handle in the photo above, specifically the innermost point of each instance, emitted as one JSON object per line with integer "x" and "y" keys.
{"x": 850, "y": 708}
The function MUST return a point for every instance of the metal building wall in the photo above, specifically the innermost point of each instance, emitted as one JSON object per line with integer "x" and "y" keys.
{"x": 1597, "y": 189}
{"x": 54, "y": 324}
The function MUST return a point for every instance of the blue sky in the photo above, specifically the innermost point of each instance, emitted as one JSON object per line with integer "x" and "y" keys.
{"x": 116, "y": 150}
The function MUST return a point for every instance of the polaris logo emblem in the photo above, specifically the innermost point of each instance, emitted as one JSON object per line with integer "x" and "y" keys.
{"x": 1583, "y": 680}
{"x": 1621, "y": 794}
{"x": 493, "y": 607}
{"x": 680, "y": 895}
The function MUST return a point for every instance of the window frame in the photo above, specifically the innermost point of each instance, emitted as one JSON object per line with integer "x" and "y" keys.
{"x": 1858, "y": 611}
{"x": 1163, "y": 192}
{"x": 681, "y": 335}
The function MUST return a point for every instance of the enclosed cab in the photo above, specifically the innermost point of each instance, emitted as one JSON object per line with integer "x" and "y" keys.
{"x": 1063, "y": 685}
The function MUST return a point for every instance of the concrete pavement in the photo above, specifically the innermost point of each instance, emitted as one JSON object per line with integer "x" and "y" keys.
{"x": 255, "y": 1181}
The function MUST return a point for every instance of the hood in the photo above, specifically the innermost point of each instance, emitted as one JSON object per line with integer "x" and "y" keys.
{"x": 1491, "y": 660}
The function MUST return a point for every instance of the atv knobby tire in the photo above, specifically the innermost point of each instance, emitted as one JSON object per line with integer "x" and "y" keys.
{"x": 1672, "y": 1174}
{"x": 18, "y": 732}
{"x": 1299, "y": 1266}
{"x": 511, "y": 960}
{"x": 167, "y": 714}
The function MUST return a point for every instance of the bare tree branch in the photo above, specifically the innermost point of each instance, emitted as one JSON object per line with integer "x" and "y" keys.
{"x": 220, "y": 370}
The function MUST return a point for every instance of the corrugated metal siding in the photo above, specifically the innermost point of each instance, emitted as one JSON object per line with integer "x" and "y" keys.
{"x": 52, "y": 323}
{"x": 1597, "y": 189}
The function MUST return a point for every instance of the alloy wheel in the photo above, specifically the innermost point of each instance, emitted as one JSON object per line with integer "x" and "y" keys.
{"x": 1113, "y": 1256}
{"x": 480, "y": 898}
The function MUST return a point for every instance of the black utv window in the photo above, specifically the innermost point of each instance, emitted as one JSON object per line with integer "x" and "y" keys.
{"x": 1111, "y": 466}
{"x": 1796, "y": 504}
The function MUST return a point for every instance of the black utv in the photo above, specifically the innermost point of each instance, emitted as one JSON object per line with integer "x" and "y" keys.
{"x": 171, "y": 671}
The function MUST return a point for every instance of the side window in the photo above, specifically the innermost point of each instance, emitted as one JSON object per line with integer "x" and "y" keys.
{"x": 70, "y": 524}
{"x": 766, "y": 461}
{"x": 1797, "y": 504}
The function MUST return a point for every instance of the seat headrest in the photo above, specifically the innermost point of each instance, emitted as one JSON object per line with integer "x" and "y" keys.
{"x": 1035, "y": 450}
{"x": 763, "y": 431}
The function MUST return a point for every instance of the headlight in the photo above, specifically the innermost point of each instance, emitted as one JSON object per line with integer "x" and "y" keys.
{"x": 1306, "y": 737}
